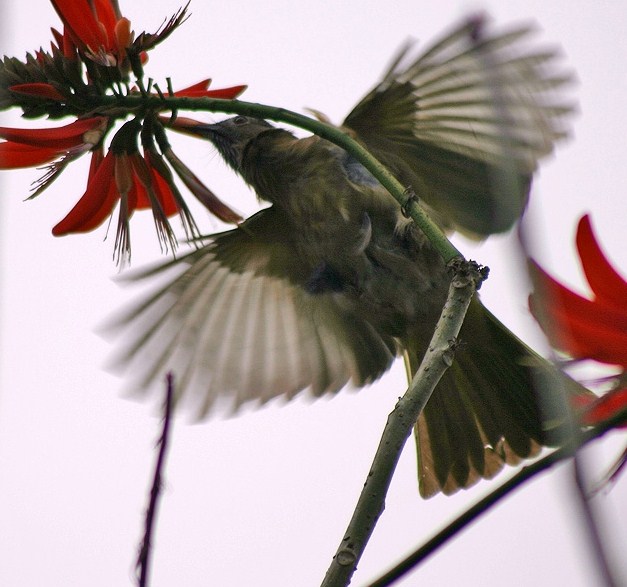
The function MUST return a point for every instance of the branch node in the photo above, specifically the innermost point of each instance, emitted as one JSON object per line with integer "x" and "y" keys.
{"x": 467, "y": 272}
{"x": 345, "y": 557}
{"x": 411, "y": 198}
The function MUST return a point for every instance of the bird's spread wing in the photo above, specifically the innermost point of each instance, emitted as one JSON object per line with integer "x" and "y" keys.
{"x": 236, "y": 321}
{"x": 465, "y": 123}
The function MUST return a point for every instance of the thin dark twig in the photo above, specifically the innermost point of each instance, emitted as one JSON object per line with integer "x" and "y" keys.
{"x": 470, "y": 515}
{"x": 143, "y": 559}
{"x": 611, "y": 477}
{"x": 592, "y": 526}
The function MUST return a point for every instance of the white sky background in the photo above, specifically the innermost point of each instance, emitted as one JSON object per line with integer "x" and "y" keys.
{"x": 263, "y": 499}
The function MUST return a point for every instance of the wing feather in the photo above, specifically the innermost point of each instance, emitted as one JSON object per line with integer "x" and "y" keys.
{"x": 236, "y": 322}
{"x": 466, "y": 122}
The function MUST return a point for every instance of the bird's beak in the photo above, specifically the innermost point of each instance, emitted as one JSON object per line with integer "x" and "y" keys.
{"x": 222, "y": 137}
{"x": 207, "y": 131}
{"x": 194, "y": 128}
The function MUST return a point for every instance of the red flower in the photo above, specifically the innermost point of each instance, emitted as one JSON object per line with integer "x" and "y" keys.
{"x": 123, "y": 176}
{"x": 96, "y": 28}
{"x": 587, "y": 328}
{"x": 30, "y": 147}
{"x": 97, "y": 202}
{"x": 126, "y": 178}
{"x": 94, "y": 58}
{"x": 216, "y": 206}
{"x": 137, "y": 182}
{"x": 101, "y": 34}
{"x": 38, "y": 90}
{"x": 200, "y": 90}
{"x": 595, "y": 410}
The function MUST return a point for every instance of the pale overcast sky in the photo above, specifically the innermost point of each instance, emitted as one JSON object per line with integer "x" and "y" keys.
{"x": 263, "y": 499}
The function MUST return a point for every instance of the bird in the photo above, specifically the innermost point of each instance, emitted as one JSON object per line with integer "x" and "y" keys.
{"x": 331, "y": 282}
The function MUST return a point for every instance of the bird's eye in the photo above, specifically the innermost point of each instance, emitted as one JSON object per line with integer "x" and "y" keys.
{"x": 240, "y": 120}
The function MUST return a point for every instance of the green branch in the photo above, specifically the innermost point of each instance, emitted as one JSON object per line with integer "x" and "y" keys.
{"x": 403, "y": 194}
{"x": 439, "y": 357}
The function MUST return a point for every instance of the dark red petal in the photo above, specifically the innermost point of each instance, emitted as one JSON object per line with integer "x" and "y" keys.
{"x": 138, "y": 195}
{"x": 16, "y": 155}
{"x": 163, "y": 191}
{"x": 123, "y": 171}
{"x": 39, "y": 90}
{"x": 107, "y": 18}
{"x": 222, "y": 93}
{"x": 136, "y": 198}
{"x": 79, "y": 18}
{"x": 140, "y": 199}
{"x": 604, "y": 280}
{"x": 96, "y": 203}
{"x": 70, "y": 50}
{"x": 580, "y": 335}
{"x": 60, "y": 138}
{"x": 165, "y": 195}
{"x": 58, "y": 37}
{"x": 595, "y": 411}
{"x": 97, "y": 158}
{"x": 198, "y": 87}
{"x": 216, "y": 206}
{"x": 558, "y": 297}
{"x": 583, "y": 338}
{"x": 182, "y": 124}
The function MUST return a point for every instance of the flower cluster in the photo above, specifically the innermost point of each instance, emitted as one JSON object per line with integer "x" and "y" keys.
{"x": 587, "y": 328}
{"x": 94, "y": 58}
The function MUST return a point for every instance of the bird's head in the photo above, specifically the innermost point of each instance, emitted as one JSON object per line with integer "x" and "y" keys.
{"x": 232, "y": 136}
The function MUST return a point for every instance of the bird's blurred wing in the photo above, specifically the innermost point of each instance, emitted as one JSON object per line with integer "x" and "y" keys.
{"x": 466, "y": 122}
{"x": 236, "y": 321}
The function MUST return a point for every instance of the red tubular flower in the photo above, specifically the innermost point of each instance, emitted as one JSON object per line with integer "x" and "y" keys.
{"x": 118, "y": 176}
{"x": 16, "y": 155}
{"x": 97, "y": 202}
{"x": 84, "y": 130}
{"x": 26, "y": 147}
{"x": 587, "y": 328}
{"x": 153, "y": 186}
{"x": 38, "y": 90}
{"x": 96, "y": 28}
{"x": 123, "y": 175}
{"x": 216, "y": 206}
{"x": 94, "y": 57}
{"x": 200, "y": 90}
{"x": 593, "y": 411}
{"x": 134, "y": 182}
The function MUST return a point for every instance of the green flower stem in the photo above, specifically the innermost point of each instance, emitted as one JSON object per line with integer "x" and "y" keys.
{"x": 403, "y": 194}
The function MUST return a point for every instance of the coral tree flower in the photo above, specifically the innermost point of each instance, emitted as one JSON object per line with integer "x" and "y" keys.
{"x": 93, "y": 59}
{"x": 128, "y": 179}
{"x": 39, "y": 90}
{"x": 592, "y": 327}
{"x": 201, "y": 90}
{"x": 134, "y": 182}
{"x": 96, "y": 28}
{"x": 29, "y": 147}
